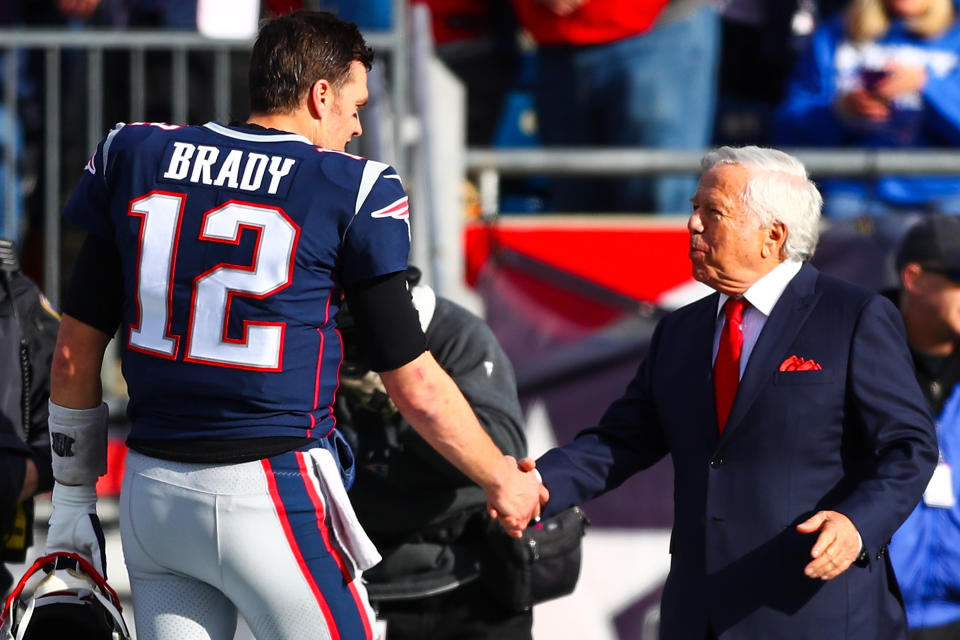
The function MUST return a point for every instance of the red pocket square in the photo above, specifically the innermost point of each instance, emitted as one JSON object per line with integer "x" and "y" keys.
{"x": 795, "y": 363}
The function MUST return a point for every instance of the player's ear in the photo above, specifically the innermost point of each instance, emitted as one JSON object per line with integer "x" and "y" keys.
{"x": 320, "y": 97}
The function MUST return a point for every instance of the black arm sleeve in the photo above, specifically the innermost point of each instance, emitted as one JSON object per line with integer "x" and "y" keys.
{"x": 389, "y": 325}
{"x": 95, "y": 294}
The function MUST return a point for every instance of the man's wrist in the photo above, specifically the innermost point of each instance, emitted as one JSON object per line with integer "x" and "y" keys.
{"x": 498, "y": 478}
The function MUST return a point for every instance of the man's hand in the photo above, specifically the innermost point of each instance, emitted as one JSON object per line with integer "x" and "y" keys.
{"x": 837, "y": 546}
{"x": 529, "y": 464}
{"x": 515, "y": 500}
{"x": 74, "y": 525}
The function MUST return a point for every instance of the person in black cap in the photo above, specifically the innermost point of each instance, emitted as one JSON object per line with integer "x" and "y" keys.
{"x": 926, "y": 549}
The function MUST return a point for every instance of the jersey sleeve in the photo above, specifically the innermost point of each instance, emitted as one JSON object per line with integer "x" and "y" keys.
{"x": 377, "y": 240}
{"x": 88, "y": 207}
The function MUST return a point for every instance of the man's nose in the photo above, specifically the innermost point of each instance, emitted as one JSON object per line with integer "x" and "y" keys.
{"x": 694, "y": 224}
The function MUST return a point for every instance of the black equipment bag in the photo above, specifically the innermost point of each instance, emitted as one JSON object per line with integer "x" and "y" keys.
{"x": 542, "y": 565}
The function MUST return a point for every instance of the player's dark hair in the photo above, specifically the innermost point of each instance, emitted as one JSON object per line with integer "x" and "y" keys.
{"x": 295, "y": 50}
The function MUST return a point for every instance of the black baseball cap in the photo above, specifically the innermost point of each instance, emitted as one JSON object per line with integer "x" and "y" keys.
{"x": 933, "y": 243}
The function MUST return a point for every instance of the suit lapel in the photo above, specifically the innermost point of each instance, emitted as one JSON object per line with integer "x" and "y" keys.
{"x": 700, "y": 359}
{"x": 785, "y": 321}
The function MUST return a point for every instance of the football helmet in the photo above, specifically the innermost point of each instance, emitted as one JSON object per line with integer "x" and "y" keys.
{"x": 70, "y": 600}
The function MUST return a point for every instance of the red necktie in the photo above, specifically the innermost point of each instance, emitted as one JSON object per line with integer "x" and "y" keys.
{"x": 726, "y": 368}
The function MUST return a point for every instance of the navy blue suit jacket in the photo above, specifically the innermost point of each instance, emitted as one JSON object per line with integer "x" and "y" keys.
{"x": 854, "y": 437}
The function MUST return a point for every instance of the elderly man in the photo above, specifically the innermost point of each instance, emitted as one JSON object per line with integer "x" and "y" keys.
{"x": 787, "y": 400}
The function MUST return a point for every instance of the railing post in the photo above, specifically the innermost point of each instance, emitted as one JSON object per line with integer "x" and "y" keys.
{"x": 181, "y": 87}
{"x": 489, "y": 187}
{"x": 94, "y": 98}
{"x": 138, "y": 85}
{"x": 221, "y": 82}
{"x": 10, "y": 176}
{"x": 51, "y": 196}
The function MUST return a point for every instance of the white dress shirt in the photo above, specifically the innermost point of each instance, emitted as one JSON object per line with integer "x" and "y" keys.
{"x": 762, "y": 296}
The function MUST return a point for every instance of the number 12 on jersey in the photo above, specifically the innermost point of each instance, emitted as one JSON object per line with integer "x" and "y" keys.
{"x": 261, "y": 343}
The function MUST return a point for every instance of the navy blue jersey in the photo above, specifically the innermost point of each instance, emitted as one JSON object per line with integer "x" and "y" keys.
{"x": 235, "y": 245}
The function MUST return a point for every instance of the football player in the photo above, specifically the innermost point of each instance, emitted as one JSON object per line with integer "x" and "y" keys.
{"x": 221, "y": 252}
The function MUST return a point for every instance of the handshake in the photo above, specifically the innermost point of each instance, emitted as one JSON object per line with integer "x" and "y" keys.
{"x": 517, "y": 497}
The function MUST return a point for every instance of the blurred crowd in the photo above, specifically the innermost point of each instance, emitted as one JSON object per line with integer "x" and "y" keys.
{"x": 688, "y": 74}
{"x": 657, "y": 74}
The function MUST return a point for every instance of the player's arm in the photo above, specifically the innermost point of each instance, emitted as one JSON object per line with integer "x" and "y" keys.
{"x": 78, "y": 417}
{"x": 91, "y": 315}
{"x": 75, "y": 372}
{"x": 431, "y": 402}
{"x": 468, "y": 351}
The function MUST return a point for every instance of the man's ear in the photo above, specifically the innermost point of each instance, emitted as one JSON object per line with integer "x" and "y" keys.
{"x": 910, "y": 276}
{"x": 320, "y": 97}
{"x": 776, "y": 237}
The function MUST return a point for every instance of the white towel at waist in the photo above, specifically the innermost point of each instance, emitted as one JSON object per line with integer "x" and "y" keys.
{"x": 360, "y": 549}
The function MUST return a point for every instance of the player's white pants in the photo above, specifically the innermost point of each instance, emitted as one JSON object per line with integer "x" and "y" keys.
{"x": 266, "y": 538}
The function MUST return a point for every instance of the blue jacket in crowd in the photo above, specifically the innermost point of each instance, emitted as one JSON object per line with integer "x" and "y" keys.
{"x": 927, "y": 119}
{"x": 926, "y": 549}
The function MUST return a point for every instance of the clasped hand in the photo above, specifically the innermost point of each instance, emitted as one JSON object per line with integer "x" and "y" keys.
{"x": 518, "y": 497}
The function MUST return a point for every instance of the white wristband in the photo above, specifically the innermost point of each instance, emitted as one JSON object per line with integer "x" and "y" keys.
{"x": 78, "y": 440}
{"x": 79, "y": 496}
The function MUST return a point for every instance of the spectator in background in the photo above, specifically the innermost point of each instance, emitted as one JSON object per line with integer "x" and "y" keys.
{"x": 166, "y": 14}
{"x": 28, "y": 332}
{"x": 11, "y": 136}
{"x": 473, "y": 38}
{"x": 427, "y": 519}
{"x": 624, "y": 73}
{"x": 884, "y": 75}
{"x": 926, "y": 549}
{"x": 20, "y": 129}
{"x": 764, "y": 36}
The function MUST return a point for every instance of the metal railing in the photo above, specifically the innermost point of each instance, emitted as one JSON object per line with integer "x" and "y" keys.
{"x": 91, "y": 45}
{"x": 488, "y": 165}
{"x": 491, "y": 164}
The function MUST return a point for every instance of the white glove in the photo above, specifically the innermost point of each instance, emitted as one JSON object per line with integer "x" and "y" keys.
{"x": 74, "y": 525}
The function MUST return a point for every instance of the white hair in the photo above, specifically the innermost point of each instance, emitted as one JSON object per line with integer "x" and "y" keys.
{"x": 778, "y": 190}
